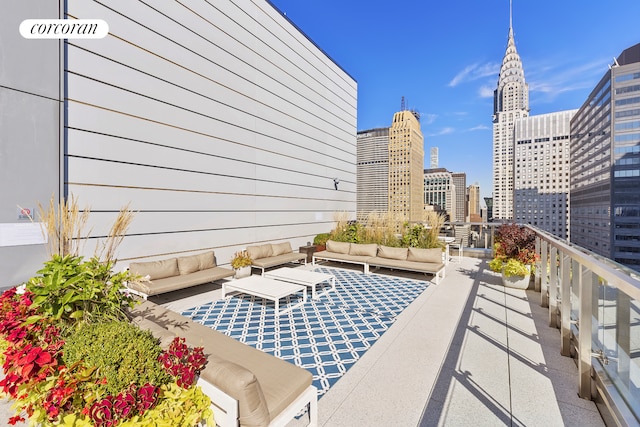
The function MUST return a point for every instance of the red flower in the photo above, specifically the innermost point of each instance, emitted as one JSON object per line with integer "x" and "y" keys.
{"x": 124, "y": 403}
{"x": 101, "y": 412}
{"x": 147, "y": 396}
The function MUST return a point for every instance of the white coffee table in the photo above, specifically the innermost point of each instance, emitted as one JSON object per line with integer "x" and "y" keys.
{"x": 303, "y": 277}
{"x": 265, "y": 288}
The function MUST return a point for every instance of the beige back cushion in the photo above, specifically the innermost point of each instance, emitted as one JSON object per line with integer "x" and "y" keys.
{"x": 433, "y": 255}
{"x": 363, "y": 249}
{"x": 281, "y": 248}
{"x": 338, "y": 247}
{"x": 241, "y": 384}
{"x": 392, "y": 253}
{"x": 156, "y": 269}
{"x": 193, "y": 263}
{"x": 261, "y": 251}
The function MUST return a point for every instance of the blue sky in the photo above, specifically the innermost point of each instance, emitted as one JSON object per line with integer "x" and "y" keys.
{"x": 444, "y": 58}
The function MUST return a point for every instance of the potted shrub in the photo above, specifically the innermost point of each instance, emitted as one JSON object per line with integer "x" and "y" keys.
{"x": 71, "y": 357}
{"x": 514, "y": 255}
{"x": 321, "y": 241}
{"x": 241, "y": 263}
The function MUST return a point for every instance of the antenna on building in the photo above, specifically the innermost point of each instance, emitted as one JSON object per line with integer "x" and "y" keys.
{"x": 510, "y": 13}
{"x": 402, "y": 105}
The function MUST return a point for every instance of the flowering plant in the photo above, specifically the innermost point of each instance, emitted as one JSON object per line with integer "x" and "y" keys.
{"x": 37, "y": 330}
{"x": 514, "y": 250}
{"x": 241, "y": 259}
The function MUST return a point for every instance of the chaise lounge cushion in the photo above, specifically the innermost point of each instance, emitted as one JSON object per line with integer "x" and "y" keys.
{"x": 392, "y": 253}
{"x": 361, "y": 249}
{"x": 156, "y": 269}
{"x": 338, "y": 247}
{"x": 433, "y": 255}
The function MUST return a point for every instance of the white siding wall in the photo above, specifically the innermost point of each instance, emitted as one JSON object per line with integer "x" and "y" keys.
{"x": 218, "y": 121}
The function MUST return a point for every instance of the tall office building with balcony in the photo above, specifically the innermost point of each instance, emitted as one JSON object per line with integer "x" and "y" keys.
{"x": 605, "y": 164}
{"x": 541, "y": 168}
{"x": 510, "y": 102}
{"x": 372, "y": 172}
{"x": 406, "y": 166}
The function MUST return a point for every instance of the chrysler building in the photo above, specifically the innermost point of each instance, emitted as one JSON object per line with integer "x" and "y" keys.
{"x": 510, "y": 102}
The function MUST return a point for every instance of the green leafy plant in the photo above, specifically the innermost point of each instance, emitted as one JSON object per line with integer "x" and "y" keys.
{"x": 514, "y": 250}
{"x": 241, "y": 259}
{"x": 122, "y": 353}
{"x": 321, "y": 239}
{"x": 70, "y": 289}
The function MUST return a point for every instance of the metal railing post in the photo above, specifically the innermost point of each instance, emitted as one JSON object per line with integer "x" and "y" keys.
{"x": 544, "y": 282}
{"x": 553, "y": 287}
{"x": 585, "y": 329}
{"x": 569, "y": 281}
{"x": 539, "y": 264}
{"x": 623, "y": 336}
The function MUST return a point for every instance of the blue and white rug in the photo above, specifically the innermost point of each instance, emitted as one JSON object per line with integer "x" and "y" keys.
{"x": 325, "y": 336}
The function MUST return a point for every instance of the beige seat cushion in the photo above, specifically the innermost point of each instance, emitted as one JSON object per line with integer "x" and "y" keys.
{"x": 281, "y": 248}
{"x": 338, "y": 247}
{"x": 260, "y": 251}
{"x": 156, "y": 269}
{"x": 363, "y": 249}
{"x": 392, "y": 253}
{"x": 433, "y": 255}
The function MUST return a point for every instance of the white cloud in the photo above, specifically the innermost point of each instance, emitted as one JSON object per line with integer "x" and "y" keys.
{"x": 553, "y": 80}
{"x": 479, "y": 127}
{"x": 427, "y": 119}
{"x": 485, "y": 91}
{"x": 443, "y": 131}
{"x": 474, "y": 72}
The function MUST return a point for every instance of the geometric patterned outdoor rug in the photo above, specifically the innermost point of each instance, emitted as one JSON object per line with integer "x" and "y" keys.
{"x": 325, "y": 336}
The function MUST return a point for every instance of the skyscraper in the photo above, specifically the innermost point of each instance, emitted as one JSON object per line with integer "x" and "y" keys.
{"x": 541, "y": 167}
{"x": 440, "y": 192}
{"x": 406, "y": 165}
{"x": 372, "y": 172}
{"x": 510, "y": 102}
{"x": 605, "y": 164}
{"x": 460, "y": 182}
{"x": 473, "y": 196}
{"x": 434, "y": 158}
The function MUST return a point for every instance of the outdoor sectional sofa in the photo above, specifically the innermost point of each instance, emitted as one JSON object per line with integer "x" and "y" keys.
{"x": 247, "y": 387}
{"x": 273, "y": 254}
{"x": 176, "y": 273}
{"x": 427, "y": 261}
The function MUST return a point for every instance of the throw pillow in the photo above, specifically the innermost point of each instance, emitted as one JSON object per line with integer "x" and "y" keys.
{"x": 338, "y": 247}
{"x": 360, "y": 249}
{"x": 390, "y": 252}
{"x": 156, "y": 269}
{"x": 281, "y": 248}
{"x": 433, "y": 255}
{"x": 188, "y": 264}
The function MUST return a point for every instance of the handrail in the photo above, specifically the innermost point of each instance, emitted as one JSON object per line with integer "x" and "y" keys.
{"x": 613, "y": 274}
{"x": 595, "y": 327}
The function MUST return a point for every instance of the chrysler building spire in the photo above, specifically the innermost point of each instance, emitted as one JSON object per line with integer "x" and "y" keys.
{"x": 510, "y": 102}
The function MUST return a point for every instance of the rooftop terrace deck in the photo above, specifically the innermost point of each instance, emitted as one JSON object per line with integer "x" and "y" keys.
{"x": 466, "y": 352}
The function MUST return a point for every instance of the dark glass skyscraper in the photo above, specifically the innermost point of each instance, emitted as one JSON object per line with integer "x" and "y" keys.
{"x": 605, "y": 164}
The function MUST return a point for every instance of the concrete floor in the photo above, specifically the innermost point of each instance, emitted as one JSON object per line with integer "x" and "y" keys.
{"x": 466, "y": 352}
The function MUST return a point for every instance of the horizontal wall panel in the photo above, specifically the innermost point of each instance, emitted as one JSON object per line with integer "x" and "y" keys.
{"x": 219, "y": 122}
